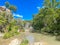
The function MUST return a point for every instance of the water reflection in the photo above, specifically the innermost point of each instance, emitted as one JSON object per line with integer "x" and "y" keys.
{"x": 30, "y": 38}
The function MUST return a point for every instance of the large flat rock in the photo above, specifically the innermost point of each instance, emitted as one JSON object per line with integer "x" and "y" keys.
{"x": 15, "y": 42}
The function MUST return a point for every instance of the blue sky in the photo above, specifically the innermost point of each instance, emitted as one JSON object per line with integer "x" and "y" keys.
{"x": 25, "y": 8}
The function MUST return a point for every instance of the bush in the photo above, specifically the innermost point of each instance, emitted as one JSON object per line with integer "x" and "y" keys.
{"x": 14, "y": 30}
{"x": 24, "y": 42}
{"x": 58, "y": 38}
{"x": 16, "y": 33}
{"x": 45, "y": 29}
{"x": 11, "y": 33}
{"x": 7, "y": 35}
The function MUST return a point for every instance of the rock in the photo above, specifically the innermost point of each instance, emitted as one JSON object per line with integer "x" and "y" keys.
{"x": 40, "y": 43}
{"x": 37, "y": 43}
{"x": 1, "y": 35}
{"x": 15, "y": 42}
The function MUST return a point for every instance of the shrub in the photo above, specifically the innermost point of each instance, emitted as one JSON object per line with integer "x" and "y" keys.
{"x": 7, "y": 35}
{"x": 16, "y": 33}
{"x": 24, "y": 42}
{"x": 14, "y": 29}
{"x": 11, "y": 33}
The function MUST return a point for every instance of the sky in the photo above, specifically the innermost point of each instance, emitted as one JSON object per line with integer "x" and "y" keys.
{"x": 25, "y": 8}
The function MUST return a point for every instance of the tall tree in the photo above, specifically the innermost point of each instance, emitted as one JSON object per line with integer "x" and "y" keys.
{"x": 48, "y": 17}
{"x": 51, "y": 4}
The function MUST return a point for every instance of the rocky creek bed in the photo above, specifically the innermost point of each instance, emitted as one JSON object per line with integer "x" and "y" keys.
{"x": 38, "y": 39}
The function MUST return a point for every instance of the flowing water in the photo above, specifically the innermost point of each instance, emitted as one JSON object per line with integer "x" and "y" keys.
{"x": 29, "y": 37}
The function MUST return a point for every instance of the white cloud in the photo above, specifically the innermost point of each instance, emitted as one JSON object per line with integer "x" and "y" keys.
{"x": 38, "y": 8}
{"x": 43, "y": 7}
{"x": 17, "y": 15}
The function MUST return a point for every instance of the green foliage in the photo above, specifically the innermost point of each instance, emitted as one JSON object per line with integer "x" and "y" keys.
{"x": 7, "y": 35}
{"x": 24, "y": 42}
{"x": 14, "y": 29}
{"x": 11, "y": 7}
{"x": 7, "y": 4}
{"x": 10, "y": 34}
{"x": 37, "y": 21}
{"x": 11, "y": 31}
{"x": 51, "y": 3}
{"x": 7, "y": 23}
{"x": 48, "y": 18}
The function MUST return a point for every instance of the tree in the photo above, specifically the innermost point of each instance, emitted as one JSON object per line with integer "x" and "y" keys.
{"x": 38, "y": 22}
{"x": 11, "y": 7}
{"x": 6, "y": 18}
{"x": 47, "y": 18}
{"x": 7, "y": 4}
{"x": 51, "y": 4}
